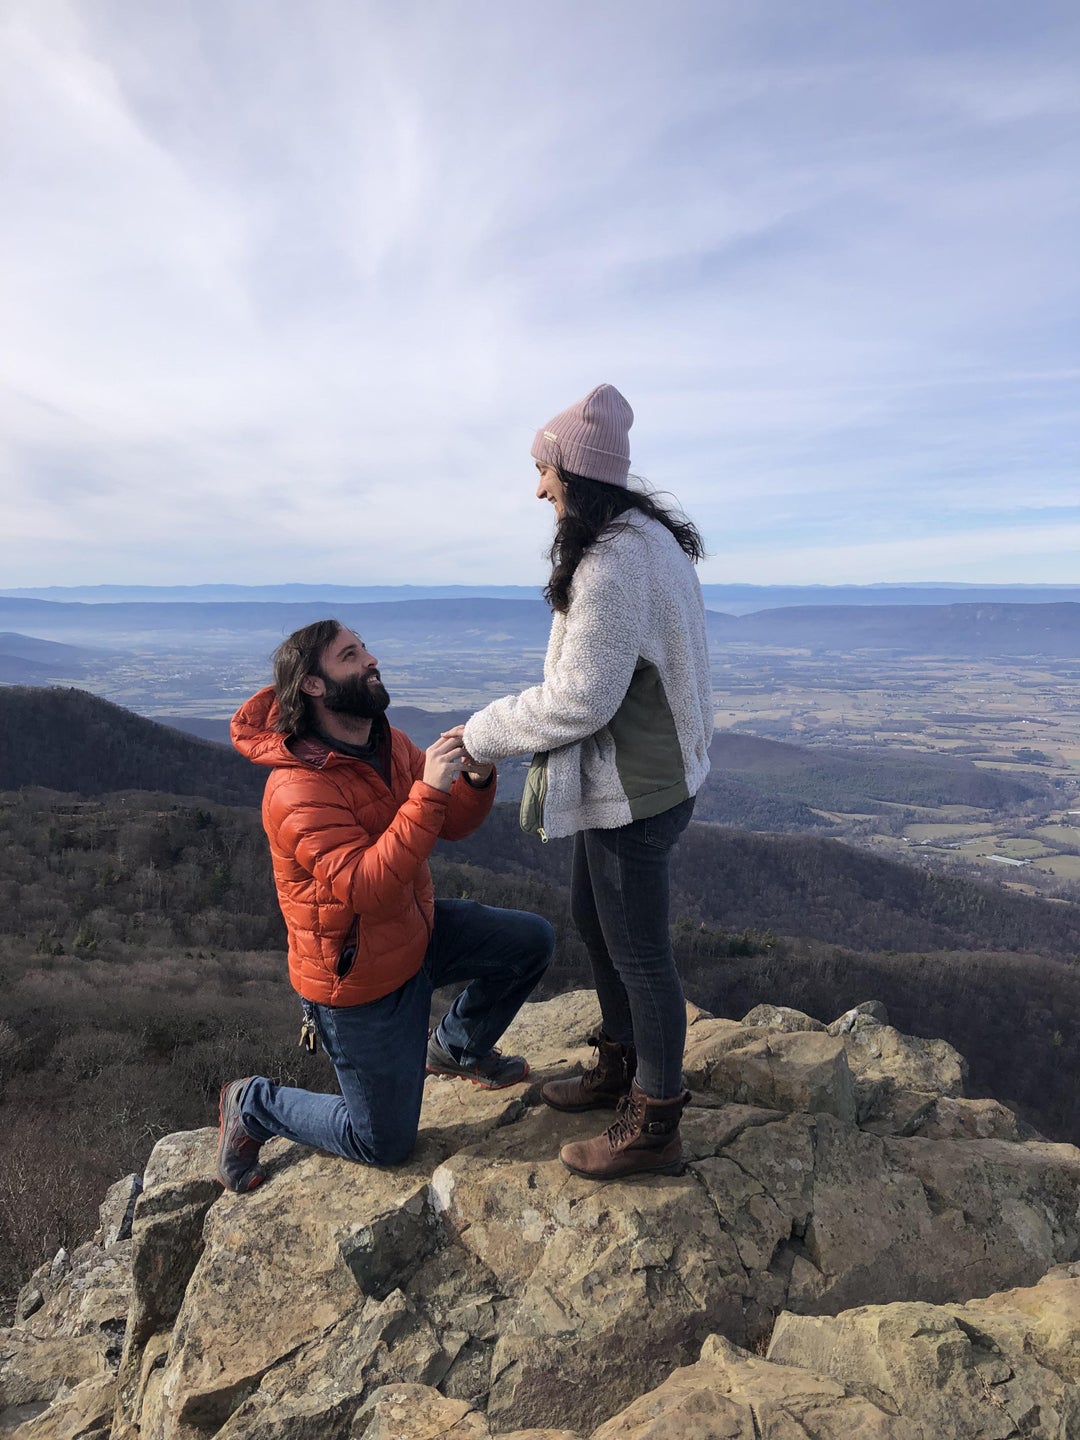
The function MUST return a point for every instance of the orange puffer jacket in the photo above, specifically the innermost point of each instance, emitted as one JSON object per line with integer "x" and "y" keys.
{"x": 351, "y": 855}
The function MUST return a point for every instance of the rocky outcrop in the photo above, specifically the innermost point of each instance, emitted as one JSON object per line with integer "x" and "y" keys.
{"x": 62, "y": 1356}
{"x": 1004, "y": 1366}
{"x": 841, "y": 1196}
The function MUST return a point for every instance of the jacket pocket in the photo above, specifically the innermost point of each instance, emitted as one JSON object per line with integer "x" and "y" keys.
{"x": 347, "y": 953}
{"x": 531, "y": 815}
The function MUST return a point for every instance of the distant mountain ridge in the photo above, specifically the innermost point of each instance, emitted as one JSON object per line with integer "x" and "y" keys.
{"x": 464, "y": 623}
{"x": 975, "y": 630}
{"x": 736, "y": 599}
{"x": 1051, "y": 629}
{"x": 26, "y": 660}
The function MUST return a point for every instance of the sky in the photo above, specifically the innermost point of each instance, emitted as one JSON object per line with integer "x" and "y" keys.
{"x": 287, "y": 287}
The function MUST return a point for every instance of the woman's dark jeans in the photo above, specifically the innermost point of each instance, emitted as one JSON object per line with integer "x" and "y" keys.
{"x": 619, "y": 898}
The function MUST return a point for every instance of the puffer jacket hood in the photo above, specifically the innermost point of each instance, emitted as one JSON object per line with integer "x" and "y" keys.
{"x": 350, "y": 854}
{"x": 253, "y": 733}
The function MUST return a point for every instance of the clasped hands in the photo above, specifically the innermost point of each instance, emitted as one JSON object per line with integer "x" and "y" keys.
{"x": 448, "y": 757}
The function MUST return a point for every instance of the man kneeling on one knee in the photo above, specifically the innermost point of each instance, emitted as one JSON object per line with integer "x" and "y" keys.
{"x": 352, "y": 810}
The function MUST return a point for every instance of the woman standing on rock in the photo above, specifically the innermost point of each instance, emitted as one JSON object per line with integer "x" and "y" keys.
{"x": 621, "y": 725}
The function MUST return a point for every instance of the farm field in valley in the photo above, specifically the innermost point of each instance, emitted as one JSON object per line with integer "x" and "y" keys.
{"x": 1006, "y": 715}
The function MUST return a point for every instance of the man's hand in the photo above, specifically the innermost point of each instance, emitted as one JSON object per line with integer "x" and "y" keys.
{"x": 443, "y": 761}
{"x": 473, "y": 768}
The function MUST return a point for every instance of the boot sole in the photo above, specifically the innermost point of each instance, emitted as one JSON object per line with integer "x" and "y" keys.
{"x": 580, "y": 1109}
{"x": 472, "y": 1079}
{"x": 251, "y": 1179}
{"x": 674, "y": 1167}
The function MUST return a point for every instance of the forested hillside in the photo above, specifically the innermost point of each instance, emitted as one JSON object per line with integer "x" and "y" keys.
{"x": 759, "y": 784}
{"x": 751, "y": 804}
{"x": 859, "y": 781}
{"x": 727, "y": 800}
{"x": 66, "y": 739}
{"x": 70, "y": 740}
{"x": 812, "y": 887}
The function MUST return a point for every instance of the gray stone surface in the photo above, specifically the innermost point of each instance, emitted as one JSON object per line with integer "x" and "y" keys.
{"x": 483, "y": 1289}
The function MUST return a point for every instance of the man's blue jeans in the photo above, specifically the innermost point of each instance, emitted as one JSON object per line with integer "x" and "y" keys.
{"x": 379, "y": 1049}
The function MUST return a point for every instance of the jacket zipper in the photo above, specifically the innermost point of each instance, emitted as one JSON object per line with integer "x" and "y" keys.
{"x": 349, "y": 950}
{"x": 543, "y": 797}
{"x": 423, "y": 917}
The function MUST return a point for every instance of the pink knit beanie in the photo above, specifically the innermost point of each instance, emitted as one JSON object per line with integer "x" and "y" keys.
{"x": 589, "y": 438}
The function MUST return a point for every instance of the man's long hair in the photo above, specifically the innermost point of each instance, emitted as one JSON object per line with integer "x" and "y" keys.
{"x": 592, "y": 507}
{"x": 294, "y": 660}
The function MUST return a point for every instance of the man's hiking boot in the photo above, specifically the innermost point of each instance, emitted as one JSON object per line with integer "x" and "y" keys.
{"x": 495, "y": 1071}
{"x": 644, "y": 1140}
{"x": 600, "y": 1088}
{"x": 237, "y": 1153}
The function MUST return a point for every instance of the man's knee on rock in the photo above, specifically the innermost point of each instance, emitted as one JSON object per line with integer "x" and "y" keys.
{"x": 544, "y": 943}
{"x": 394, "y": 1153}
{"x": 390, "y": 1151}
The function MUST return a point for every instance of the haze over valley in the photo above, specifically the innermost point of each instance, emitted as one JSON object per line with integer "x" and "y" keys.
{"x": 944, "y": 734}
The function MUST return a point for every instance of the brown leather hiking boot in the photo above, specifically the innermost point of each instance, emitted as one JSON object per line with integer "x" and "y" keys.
{"x": 600, "y": 1088}
{"x": 644, "y": 1140}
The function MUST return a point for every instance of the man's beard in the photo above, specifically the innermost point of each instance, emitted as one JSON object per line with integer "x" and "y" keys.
{"x": 363, "y": 697}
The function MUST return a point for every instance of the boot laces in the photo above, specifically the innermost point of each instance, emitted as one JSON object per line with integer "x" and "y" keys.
{"x": 597, "y": 1074}
{"x": 628, "y": 1119}
{"x": 593, "y": 1076}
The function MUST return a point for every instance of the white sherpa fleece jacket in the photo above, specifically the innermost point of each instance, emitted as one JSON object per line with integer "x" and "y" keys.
{"x": 624, "y": 716}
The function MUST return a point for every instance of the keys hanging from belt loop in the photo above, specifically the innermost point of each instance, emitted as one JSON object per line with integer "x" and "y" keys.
{"x": 309, "y": 1038}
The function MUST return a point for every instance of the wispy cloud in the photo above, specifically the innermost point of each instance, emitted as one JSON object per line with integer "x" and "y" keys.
{"x": 287, "y": 289}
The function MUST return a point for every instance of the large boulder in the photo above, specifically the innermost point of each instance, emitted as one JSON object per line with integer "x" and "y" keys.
{"x": 732, "y": 1395}
{"x": 899, "y": 1078}
{"x": 116, "y": 1213}
{"x": 64, "y": 1354}
{"x": 83, "y": 1412}
{"x": 897, "y": 1083}
{"x": 416, "y": 1412}
{"x": 1003, "y": 1366}
{"x": 957, "y": 1118}
{"x": 781, "y": 1017}
{"x": 795, "y": 1071}
{"x": 178, "y": 1189}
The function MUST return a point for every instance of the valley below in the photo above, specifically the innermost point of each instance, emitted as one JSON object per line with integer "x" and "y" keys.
{"x": 1009, "y": 715}
{"x": 1012, "y": 716}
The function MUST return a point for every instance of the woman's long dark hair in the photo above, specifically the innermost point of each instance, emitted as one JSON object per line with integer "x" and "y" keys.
{"x": 591, "y": 507}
